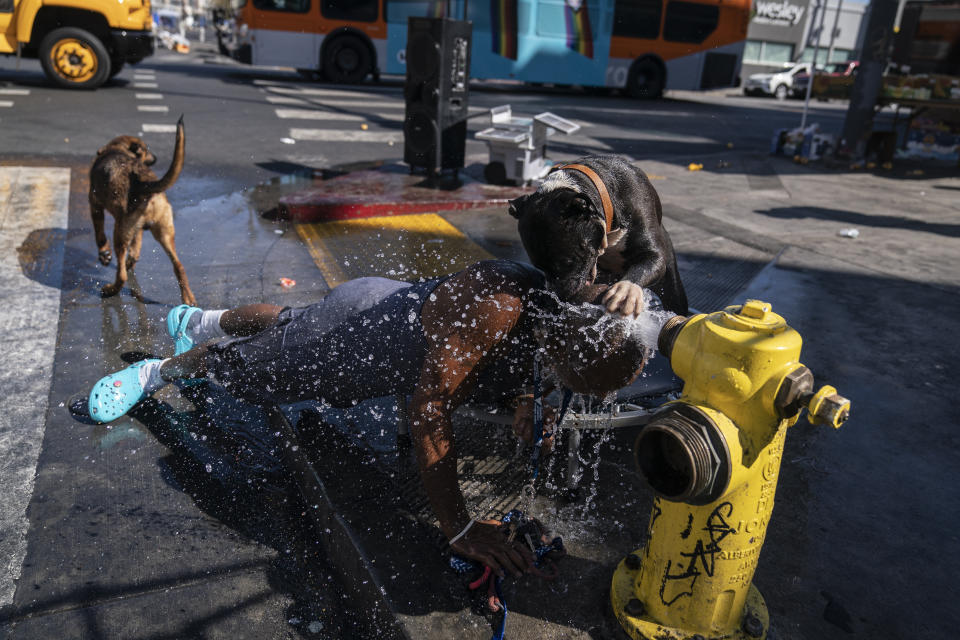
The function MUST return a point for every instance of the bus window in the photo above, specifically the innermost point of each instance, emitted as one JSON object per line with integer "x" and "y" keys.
{"x": 690, "y": 21}
{"x": 295, "y": 6}
{"x": 359, "y": 10}
{"x": 637, "y": 18}
{"x": 399, "y": 10}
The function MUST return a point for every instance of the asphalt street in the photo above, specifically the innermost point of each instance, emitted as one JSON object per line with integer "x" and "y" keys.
{"x": 246, "y": 125}
{"x": 179, "y": 521}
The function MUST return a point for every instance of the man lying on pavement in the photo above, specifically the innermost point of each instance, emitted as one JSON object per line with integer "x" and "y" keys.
{"x": 471, "y": 336}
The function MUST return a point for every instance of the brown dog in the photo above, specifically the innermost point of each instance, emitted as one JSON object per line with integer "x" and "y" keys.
{"x": 122, "y": 183}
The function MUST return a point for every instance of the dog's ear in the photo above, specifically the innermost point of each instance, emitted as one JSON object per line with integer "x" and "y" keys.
{"x": 101, "y": 151}
{"x": 517, "y": 205}
{"x": 580, "y": 205}
{"x": 135, "y": 147}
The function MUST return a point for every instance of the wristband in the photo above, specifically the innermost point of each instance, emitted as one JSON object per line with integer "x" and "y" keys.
{"x": 463, "y": 532}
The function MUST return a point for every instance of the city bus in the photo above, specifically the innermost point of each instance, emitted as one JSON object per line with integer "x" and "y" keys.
{"x": 641, "y": 46}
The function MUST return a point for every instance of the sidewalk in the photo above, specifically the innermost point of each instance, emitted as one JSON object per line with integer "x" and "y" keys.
{"x": 860, "y": 511}
{"x": 182, "y": 520}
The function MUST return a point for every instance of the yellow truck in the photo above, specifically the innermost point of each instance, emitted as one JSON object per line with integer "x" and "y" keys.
{"x": 80, "y": 43}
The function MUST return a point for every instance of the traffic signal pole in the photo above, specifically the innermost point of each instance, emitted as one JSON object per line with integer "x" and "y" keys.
{"x": 874, "y": 55}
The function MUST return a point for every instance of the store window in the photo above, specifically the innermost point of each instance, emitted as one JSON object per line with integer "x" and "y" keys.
{"x": 294, "y": 6}
{"x": 839, "y": 55}
{"x": 358, "y": 10}
{"x": 762, "y": 52}
{"x": 690, "y": 21}
{"x": 637, "y": 18}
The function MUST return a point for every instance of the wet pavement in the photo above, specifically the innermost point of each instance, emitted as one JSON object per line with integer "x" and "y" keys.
{"x": 187, "y": 520}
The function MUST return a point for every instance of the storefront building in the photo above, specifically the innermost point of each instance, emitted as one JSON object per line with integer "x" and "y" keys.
{"x": 782, "y": 32}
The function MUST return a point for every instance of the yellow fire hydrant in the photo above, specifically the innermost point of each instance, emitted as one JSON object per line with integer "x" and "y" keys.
{"x": 713, "y": 457}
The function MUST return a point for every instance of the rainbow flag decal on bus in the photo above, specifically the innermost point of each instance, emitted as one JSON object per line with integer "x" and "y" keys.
{"x": 579, "y": 34}
{"x": 503, "y": 27}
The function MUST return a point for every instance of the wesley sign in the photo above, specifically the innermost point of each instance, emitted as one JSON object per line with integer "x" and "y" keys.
{"x": 786, "y": 14}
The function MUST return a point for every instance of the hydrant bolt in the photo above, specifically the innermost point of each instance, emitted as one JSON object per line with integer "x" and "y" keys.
{"x": 752, "y": 625}
{"x": 794, "y": 392}
{"x": 632, "y": 561}
{"x": 634, "y": 608}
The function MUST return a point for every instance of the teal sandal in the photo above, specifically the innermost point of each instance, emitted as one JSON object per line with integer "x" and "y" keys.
{"x": 114, "y": 395}
{"x": 177, "y": 321}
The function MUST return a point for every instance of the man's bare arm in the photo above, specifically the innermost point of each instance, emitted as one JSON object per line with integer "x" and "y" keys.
{"x": 465, "y": 324}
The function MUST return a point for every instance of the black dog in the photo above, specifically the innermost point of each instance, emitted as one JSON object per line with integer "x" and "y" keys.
{"x": 601, "y": 213}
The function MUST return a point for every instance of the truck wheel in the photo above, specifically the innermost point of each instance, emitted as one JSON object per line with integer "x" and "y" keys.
{"x": 346, "y": 60}
{"x": 645, "y": 79}
{"x": 781, "y": 92}
{"x": 74, "y": 58}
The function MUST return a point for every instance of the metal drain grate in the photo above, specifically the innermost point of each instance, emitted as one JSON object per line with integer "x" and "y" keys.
{"x": 712, "y": 283}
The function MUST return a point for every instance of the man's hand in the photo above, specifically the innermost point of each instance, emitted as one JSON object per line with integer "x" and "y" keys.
{"x": 523, "y": 426}
{"x": 486, "y": 542}
{"x": 625, "y": 297}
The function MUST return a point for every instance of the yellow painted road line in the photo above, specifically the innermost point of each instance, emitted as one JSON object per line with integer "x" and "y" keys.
{"x": 329, "y": 269}
{"x": 407, "y": 247}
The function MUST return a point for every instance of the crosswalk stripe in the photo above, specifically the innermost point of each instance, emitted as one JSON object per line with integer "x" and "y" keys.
{"x": 284, "y": 100}
{"x": 157, "y": 108}
{"x": 149, "y": 96}
{"x": 359, "y": 95}
{"x": 336, "y": 135}
{"x": 6, "y": 103}
{"x": 158, "y": 128}
{"x": 33, "y": 209}
{"x": 317, "y": 114}
{"x": 14, "y": 92}
{"x": 145, "y": 85}
{"x": 364, "y": 104}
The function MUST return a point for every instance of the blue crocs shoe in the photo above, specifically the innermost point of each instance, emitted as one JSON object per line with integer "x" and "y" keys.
{"x": 177, "y": 321}
{"x": 117, "y": 393}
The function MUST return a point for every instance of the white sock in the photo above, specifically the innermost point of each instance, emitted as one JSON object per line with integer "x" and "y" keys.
{"x": 205, "y": 326}
{"x": 150, "y": 378}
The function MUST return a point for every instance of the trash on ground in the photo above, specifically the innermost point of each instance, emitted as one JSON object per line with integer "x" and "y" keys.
{"x": 849, "y": 233}
{"x": 723, "y": 164}
{"x": 279, "y": 232}
{"x": 287, "y": 283}
{"x": 915, "y": 172}
{"x": 364, "y": 126}
{"x": 807, "y": 143}
{"x": 693, "y": 166}
{"x": 288, "y": 141}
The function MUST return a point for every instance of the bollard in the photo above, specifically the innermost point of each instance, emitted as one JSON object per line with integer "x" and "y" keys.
{"x": 713, "y": 457}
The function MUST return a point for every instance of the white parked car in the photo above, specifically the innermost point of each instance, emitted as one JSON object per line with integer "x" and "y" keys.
{"x": 778, "y": 85}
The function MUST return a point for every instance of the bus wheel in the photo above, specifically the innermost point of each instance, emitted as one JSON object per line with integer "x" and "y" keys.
{"x": 346, "y": 60}
{"x": 74, "y": 58}
{"x": 645, "y": 79}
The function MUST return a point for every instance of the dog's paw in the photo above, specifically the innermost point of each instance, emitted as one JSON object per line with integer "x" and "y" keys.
{"x": 624, "y": 297}
{"x": 109, "y": 290}
{"x": 105, "y": 256}
{"x": 131, "y": 262}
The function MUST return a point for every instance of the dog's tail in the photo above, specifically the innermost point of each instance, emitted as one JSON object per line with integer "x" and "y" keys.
{"x": 164, "y": 183}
